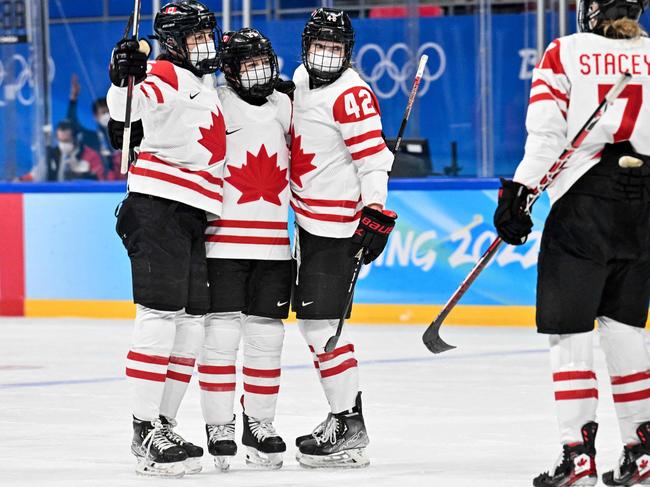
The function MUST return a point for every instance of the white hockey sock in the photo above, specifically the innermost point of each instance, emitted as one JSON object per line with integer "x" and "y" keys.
{"x": 338, "y": 369}
{"x": 629, "y": 371}
{"x": 263, "y": 338}
{"x": 148, "y": 358}
{"x": 217, "y": 375}
{"x": 187, "y": 343}
{"x": 574, "y": 380}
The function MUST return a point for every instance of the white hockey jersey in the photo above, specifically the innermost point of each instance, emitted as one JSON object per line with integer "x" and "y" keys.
{"x": 182, "y": 153}
{"x": 339, "y": 161}
{"x": 568, "y": 83}
{"x": 253, "y": 223}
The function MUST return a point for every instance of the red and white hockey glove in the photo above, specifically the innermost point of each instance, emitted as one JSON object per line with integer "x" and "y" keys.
{"x": 372, "y": 233}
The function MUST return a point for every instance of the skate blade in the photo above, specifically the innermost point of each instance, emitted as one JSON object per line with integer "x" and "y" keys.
{"x": 258, "y": 459}
{"x": 193, "y": 465}
{"x": 355, "y": 458}
{"x": 222, "y": 463}
{"x": 172, "y": 470}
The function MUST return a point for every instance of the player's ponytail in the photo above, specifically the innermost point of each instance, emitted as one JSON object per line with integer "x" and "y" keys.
{"x": 623, "y": 28}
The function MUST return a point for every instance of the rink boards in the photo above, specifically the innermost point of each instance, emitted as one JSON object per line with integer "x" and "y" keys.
{"x": 61, "y": 256}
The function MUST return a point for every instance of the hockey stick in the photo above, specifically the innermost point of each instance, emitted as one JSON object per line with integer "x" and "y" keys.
{"x": 124, "y": 165}
{"x": 333, "y": 340}
{"x": 431, "y": 336}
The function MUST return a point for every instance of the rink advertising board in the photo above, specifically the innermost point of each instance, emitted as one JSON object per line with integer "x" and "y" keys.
{"x": 74, "y": 263}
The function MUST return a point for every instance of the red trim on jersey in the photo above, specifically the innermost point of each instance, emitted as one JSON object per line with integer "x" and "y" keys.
{"x": 551, "y": 59}
{"x": 178, "y": 376}
{"x": 266, "y": 225}
{"x": 576, "y": 394}
{"x": 148, "y": 359}
{"x": 141, "y": 374}
{"x": 164, "y": 70}
{"x": 368, "y": 152}
{"x": 147, "y": 156}
{"x": 217, "y": 387}
{"x": 144, "y": 92}
{"x": 545, "y": 96}
{"x": 324, "y": 357}
{"x": 266, "y": 373}
{"x": 556, "y": 93}
{"x": 217, "y": 369}
{"x": 327, "y": 203}
{"x": 156, "y": 90}
{"x": 626, "y": 379}
{"x": 191, "y": 185}
{"x": 342, "y": 367}
{"x": 632, "y": 396}
{"x": 574, "y": 375}
{"x": 357, "y": 139}
{"x": 188, "y": 362}
{"x": 255, "y": 389}
{"x": 12, "y": 257}
{"x": 326, "y": 217}
{"x": 244, "y": 239}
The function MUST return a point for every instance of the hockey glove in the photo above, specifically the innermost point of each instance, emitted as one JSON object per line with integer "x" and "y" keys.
{"x": 116, "y": 133}
{"x": 372, "y": 233}
{"x": 286, "y": 86}
{"x": 512, "y": 222}
{"x": 129, "y": 58}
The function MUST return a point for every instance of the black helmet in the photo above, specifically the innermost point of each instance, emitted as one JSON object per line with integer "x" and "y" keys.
{"x": 240, "y": 46}
{"x": 592, "y": 13}
{"x": 175, "y": 22}
{"x": 327, "y": 24}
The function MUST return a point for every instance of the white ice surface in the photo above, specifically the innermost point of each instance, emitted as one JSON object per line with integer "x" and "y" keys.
{"x": 479, "y": 416}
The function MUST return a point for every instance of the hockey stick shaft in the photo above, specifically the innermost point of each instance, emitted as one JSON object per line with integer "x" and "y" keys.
{"x": 126, "y": 142}
{"x": 333, "y": 340}
{"x": 431, "y": 337}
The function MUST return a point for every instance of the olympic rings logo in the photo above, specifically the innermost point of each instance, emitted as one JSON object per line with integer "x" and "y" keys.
{"x": 21, "y": 88}
{"x": 400, "y": 77}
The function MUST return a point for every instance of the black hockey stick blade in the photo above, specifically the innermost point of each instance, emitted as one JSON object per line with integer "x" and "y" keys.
{"x": 432, "y": 339}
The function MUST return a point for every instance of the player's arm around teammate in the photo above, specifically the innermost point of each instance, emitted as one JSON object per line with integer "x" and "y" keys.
{"x": 594, "y": 262}
{"x": 175, "y": 180}
{"x": 249, "y": 259}
{"x": 339, "y": 175}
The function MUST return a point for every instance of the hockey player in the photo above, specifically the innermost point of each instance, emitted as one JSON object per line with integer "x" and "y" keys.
{"x": 594, "y": 262}
{"x": 175, "y": 180}
{"x": 249, "y": 259}
{"x": 339, "y": 175}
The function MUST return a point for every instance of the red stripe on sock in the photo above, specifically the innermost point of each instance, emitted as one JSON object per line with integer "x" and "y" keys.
{"x": 217, "y": 369}
{"x": 576, "y": 394}
{"x": 316, "y": 365}
{"x": 148, "y": 359}
{"x": 141, "y": 374}
{"x": 632, "y": 396}
{"x": 261, "y": 389}
{"x": 178, "y": 376}
{"x": 626, "y": 379}
{"x": 189, "y": 362}
{"x": 342, "y": 367}
{"x": 311, "y": 349}
{"x": 217, "y": 387}
{"x": 574, "y": 375}
{"x": 324, "y": 357}
{"x": 265, "y": 373}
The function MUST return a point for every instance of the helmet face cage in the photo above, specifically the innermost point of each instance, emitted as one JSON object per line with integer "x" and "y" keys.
{"x": 249, "y": 63}
{"x": 323, "y": 62}
{"x": 179, "y": 20}
{"x": 592, "y": 13}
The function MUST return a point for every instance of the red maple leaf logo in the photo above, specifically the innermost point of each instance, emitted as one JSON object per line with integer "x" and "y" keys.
{"x": 214, "y": 138}
{"x": 582, "y": 462}
{"x": 259, "y": 179}
{"x": 643, "y": 464}
{"x": 300, "y": 161}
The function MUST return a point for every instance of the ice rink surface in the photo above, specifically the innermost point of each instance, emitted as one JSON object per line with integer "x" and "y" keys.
{"x": 479, "y": 416}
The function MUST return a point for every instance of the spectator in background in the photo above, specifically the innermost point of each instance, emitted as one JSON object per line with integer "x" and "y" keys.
{"x": 71, "y": 158}
{"x": 96, "y": 139}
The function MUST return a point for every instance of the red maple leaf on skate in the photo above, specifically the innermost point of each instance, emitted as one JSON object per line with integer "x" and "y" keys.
{"x": 643, "y": 464}
{"x": 582, "y": 462}
{"x": 259, "y": 179}
{"x": 300, "y": 160}
{"x": 214, "y": 138}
